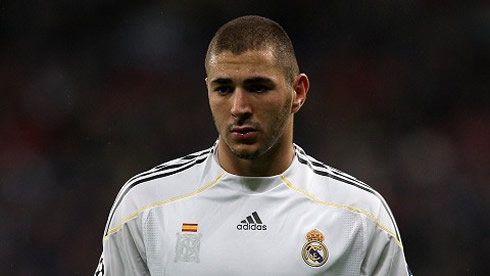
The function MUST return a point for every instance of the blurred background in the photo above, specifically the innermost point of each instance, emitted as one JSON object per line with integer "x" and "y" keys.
{"x": 93, "y": 92}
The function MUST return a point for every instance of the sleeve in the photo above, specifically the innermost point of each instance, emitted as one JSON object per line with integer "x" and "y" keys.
{"x": 123, "y": 248}
{"x": 384, "y": 254}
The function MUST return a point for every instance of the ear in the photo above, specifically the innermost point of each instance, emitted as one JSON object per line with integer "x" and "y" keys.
{"x": 301, "y": 85}
{"x": 206, "y": 83}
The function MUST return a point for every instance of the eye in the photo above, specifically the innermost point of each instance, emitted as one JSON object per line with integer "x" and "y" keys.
{"x": 224, "y": 89}
{"x": 258, "y": 88}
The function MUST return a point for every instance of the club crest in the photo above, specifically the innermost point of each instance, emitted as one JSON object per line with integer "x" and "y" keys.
{"x": 188, "y": 244}
{"x": 314, "y": 252}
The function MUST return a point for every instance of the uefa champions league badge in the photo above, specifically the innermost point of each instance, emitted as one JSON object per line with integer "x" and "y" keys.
{"x": 188, "y": 244}
{"x": 314, "y": 252}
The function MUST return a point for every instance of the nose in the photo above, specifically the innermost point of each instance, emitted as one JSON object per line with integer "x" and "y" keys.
{"x": 241, "y": 107}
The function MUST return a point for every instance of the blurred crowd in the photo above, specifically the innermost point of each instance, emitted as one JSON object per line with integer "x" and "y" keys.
{"x": 93, "y": 92}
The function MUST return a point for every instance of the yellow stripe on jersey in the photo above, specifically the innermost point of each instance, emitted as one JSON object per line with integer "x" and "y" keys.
{"x": 340, "y": 205}
{"x": 159, "y": 203}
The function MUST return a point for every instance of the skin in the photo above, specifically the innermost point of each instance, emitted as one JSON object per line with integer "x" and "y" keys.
{"x": 253, "y": 106}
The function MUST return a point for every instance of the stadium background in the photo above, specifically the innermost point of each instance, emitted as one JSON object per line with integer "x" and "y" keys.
{"x": 93, "y": 92}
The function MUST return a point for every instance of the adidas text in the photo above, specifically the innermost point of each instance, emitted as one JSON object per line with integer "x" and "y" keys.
{"x": 252, "y": 222}
{"x": 251, "y": 227}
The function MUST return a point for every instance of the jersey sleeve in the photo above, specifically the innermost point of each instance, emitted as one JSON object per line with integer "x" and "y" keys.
{"x": 121, "y": 255}
{"x": 384, "y": 254}
{"x": 123, "y": 249}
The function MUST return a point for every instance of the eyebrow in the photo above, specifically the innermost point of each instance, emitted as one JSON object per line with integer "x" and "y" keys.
{"x": 261, "y": 80}
{"x": 221, "y": 81}
{"x": 253, "y": 80}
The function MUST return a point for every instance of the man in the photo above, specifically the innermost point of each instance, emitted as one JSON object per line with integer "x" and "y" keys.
{"x": 254, "y": 203}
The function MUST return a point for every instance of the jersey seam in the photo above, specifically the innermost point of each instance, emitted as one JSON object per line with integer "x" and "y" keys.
{"x": 392, "y": 260}
{"x": 138, "y": 211}
{"x": 344, "y": 206}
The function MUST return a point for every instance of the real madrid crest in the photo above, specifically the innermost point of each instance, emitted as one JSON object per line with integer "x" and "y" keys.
{"x": 314, "y": 252}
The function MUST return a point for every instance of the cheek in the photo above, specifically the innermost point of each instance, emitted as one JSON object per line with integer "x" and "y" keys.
{"x": 213, "y": 105}
{"x": 276, "y": 109}
{"x": 217, "y": 110}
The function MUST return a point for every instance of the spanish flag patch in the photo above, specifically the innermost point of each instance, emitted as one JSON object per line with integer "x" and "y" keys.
{"x": 189, "y": 227}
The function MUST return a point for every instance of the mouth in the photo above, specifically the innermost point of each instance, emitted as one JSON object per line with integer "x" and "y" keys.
{"x": 244, "y": 132}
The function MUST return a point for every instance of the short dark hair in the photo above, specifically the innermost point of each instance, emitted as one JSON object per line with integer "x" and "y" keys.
{"x": 252, "y": 32}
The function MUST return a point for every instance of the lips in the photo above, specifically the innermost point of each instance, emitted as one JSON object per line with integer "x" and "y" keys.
{"x": 244, "y": 132}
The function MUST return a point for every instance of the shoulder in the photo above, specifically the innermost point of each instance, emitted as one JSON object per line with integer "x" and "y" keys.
{"x": 159, "y": 184}
{"x": 328, "y": 177}
{"x": 333, "y": 187}
{"x": 180, "y": 168}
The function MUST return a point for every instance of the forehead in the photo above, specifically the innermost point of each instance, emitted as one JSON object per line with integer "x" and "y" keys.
{"x": 228, "y": 64}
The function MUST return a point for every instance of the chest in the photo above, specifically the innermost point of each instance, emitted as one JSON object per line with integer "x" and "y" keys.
{"x": 259, "y": 235}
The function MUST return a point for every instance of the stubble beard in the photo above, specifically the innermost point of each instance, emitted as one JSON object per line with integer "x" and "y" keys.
{"x": 278, "y": 129}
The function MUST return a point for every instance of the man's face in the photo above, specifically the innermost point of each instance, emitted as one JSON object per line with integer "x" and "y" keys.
{"x": 250, "y": 100}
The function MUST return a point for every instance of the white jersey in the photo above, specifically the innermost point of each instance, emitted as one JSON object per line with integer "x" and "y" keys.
{"x": 190, "y": 217}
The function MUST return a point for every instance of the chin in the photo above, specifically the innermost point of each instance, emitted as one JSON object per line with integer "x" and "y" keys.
{"x": 247, "y": 155}
{"x": 249, "y": 152}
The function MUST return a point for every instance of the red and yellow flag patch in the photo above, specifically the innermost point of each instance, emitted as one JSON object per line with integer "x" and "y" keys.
{"x": 189, "y": 227}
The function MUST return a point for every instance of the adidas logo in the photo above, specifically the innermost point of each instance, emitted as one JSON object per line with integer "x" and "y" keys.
{"x": 252, "y": 222}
